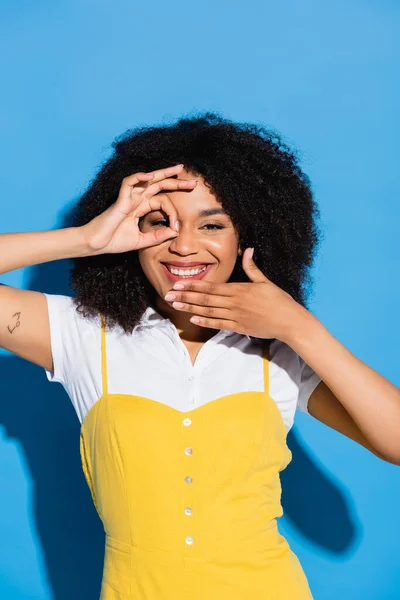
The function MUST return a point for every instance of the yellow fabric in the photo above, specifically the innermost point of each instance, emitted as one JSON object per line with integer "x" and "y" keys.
{"x": 134, "y": 460}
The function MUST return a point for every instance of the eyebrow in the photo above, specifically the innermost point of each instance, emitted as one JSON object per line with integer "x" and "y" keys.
{"x": 208, "y": 212}
{"x": 212, "y": 211}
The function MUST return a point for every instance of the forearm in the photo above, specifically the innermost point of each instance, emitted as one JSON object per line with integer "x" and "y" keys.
{"x": 371, "y": 400}
{"x": 18, "y": 250}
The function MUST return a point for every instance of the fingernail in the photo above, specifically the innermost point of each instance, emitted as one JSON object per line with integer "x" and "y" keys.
{"x": 177, "y": 225}
{"x": 178, "y": 304}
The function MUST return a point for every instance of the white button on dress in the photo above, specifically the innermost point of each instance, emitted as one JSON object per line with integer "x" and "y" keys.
{"x": 188, "y": 451}
{"x": 189, "y": 540}
{"x": 188, "y": 479}
{"x": 187, "y": 422}
{"x": 188, "y": 510}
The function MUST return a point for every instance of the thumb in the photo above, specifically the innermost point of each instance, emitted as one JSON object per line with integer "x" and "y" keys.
{"x": 250, "y": 267}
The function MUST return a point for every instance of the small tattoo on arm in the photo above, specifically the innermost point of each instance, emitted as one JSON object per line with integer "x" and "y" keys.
{"x": 17, "y": 324}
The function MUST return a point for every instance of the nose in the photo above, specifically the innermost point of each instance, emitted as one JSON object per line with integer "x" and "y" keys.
{"x": 186, "y": 242}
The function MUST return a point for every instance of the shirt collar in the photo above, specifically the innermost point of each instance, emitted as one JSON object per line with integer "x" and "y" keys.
{"x": 151, "y": 318}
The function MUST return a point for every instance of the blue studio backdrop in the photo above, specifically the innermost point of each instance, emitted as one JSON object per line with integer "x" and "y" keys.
{"x": 77, "y": 73}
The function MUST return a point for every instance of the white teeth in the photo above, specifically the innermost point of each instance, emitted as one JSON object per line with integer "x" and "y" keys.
{"x": 185, "y": 272}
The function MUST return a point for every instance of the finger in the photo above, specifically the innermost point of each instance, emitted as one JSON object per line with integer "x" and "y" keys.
{"x": 152, "y": 201}
{"x": 168, "y": 172}
{"x": 205, "y": 311}
{"x": 129, "y": 182}
{"x": 152, "y": 175}
{"x": 153, "y": 238}
{"x": 215, "y": 323}
{"x": 202, "y": 299}
{"x": 168, "y": 184}
{"x": 210, "y": 287}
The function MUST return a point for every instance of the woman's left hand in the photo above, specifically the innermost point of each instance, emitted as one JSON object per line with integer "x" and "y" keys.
{"x": 258, "y": 308}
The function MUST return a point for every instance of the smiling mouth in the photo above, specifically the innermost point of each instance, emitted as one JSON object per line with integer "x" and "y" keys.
{"x": 186, "y": 270}
{"x": 196, "y": 272}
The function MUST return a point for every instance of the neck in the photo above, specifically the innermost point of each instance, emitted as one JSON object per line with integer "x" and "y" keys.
{"x": 187, "y": 330}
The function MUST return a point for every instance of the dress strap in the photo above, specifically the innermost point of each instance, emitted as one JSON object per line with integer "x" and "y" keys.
{"x": 103, "y": 357}
{"x": 266, "y": 345}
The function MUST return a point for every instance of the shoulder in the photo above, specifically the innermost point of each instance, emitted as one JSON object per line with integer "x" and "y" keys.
{"x": 64, "y": 310}
{"x": 73, "y": 336}
{"x": 291, "y": 375}
{"x": 282, "y": 355}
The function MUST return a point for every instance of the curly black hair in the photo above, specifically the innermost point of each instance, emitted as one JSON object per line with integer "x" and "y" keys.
{"x": 250, "y": 171}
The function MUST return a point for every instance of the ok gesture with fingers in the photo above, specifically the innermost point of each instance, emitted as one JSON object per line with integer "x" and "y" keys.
{"x": 117, "y": 228}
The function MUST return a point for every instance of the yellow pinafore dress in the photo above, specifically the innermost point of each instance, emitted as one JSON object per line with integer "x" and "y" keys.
{"x": 189, "y": 501}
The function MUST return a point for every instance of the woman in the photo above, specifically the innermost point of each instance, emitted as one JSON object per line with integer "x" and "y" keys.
{"x": 185, "y": 356}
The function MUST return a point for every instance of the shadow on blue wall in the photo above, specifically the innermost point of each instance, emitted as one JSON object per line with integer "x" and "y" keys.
{"x": 40, "y": 417}
{"x": 314, "y": 504}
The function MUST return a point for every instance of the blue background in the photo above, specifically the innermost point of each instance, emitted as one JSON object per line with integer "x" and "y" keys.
{"x": 325, "y": 74}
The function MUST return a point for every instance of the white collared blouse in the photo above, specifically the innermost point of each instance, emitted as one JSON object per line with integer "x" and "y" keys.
{"x": 153, "y": 362}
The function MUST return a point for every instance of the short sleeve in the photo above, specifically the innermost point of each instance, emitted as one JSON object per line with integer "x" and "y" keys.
{"x": 309, "y": 380}
{"x": 65, "y": 336}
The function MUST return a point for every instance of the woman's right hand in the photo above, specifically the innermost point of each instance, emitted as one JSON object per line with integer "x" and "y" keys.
{"x": 117, "y": 228}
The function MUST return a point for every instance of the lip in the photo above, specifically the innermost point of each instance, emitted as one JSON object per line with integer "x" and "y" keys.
{"x": 182, "y": 265}
{"x": 175, "y": 278}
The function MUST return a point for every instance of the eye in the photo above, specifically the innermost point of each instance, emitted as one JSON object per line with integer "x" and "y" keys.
{"x": 155, "y": 223}
{"x": 213, "y": 226}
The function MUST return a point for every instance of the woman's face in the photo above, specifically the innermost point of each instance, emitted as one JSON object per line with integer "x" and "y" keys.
{"x": 207, "y": 239}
